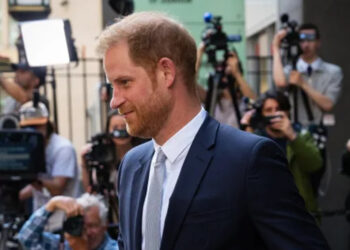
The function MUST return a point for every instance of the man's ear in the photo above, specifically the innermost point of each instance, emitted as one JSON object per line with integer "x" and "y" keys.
{"x": 166, "y": 71}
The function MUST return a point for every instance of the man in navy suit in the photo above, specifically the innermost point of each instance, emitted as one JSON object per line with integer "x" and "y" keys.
{"x": 198, "y": 184}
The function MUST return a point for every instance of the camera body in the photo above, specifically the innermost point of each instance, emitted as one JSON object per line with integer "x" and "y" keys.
{"x": 215, "y": 39}
{"x": 291, "y": 42}
{"x": 74, "y": 225}
{"x": 100, "y": 162}
{"x": 102, "y": 151}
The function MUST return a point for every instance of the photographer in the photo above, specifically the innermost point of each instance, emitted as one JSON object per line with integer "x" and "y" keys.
{"x": 271, "y": 119}
{"x": 61, "y": 177}
{"x": 224, "y": 110}
{"x": 104, "y": 182}
{"x": 93, "y": 236}
{"x": 321, "y": 81}
{"x": 26, "y": 80}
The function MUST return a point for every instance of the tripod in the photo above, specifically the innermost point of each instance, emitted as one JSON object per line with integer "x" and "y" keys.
{"x": 12, "y": 215}
{"x": 215, "y": 82}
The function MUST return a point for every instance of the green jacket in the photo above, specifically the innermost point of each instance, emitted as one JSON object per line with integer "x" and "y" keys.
{"x": 304, "y": 159}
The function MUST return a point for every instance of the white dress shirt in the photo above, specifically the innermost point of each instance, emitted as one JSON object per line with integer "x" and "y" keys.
{"x": 176, "y": 150}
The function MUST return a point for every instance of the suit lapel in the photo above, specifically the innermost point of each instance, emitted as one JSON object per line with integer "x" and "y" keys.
{"x": 191, "y": 175}
{"x": 139, "y": 192}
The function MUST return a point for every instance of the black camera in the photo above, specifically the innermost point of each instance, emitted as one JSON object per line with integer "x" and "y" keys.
{"x": 291, "y": 42}
{"x": 102, "y": 151}
{"x": 74, "y": 225}
{"x": 215, "y": 39}
{"x": 100, "y": 162}
{"x": 22, "y": 158}
{"x": 258, "y": 121}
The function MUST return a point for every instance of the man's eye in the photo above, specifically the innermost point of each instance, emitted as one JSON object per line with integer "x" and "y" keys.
{"x": 124, "y": 82}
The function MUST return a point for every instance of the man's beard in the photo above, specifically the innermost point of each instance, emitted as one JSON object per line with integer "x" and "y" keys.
{"x": 150, "y": 116}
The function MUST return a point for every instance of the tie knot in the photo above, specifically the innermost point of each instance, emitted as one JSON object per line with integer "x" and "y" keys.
{"x": 161, "y": 157}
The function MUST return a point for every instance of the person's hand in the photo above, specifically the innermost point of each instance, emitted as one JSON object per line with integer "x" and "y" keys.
{"x": 245, "y": 120}
{"x": 75, "y": 242}
{"x": 201, "y": 48}
{"x": 68, "y": 204}
{"x": 37, "y": 185}
{"x": 276, "y": 43}
{"x": 348, "y": 145}
{"x": 104, "y": 95}
{"x": 295, "y": 78}
{"x": 85, "y": 150}
{"x": 232, "y": 64}
{"x": 283, "y": 124}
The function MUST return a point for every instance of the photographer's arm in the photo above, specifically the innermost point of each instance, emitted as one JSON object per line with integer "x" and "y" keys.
{"x": 233, "y": 67}
{"x": 84, "y": 172}
{"x": 56, "y": 185}
{"x": 323, "y": 102}
{"x": 32, "y": 235}
{"x": 202, "y": 93}
{"x": 200, "y": 52}
{"x": 278, "y": 73}
{"x": 245, "y": 121}
{"x": 26, "y": 192}
{"x": 306, "y": 153}
{"x": 14, "y": 90}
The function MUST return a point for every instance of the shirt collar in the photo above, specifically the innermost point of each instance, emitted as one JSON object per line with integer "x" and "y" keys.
{"x": 302, "y": 65}
{"x": 173, "y": 147}
{"x": 104, "y": 242}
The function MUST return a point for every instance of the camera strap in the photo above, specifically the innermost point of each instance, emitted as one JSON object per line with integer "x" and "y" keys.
{"x": 306, "y": 99}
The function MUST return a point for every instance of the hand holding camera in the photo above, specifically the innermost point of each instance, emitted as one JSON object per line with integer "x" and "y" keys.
{"x": 281, "y": 123}
{"x": 232, "y": 64}
{"x": 280, "y": 35}
{"x": 295, "y": 78}
{"x": 68, "y": 204}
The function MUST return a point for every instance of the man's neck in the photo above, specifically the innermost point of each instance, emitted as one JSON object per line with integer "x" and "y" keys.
{"x": 309, "y": 59}
{"x": 179, "y": 117}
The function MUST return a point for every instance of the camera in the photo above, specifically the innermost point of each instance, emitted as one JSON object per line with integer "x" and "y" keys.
{"x": 22, "y": 158}
{"x": 291, "y": 42}
{"x": 74, "y": 225}
{"x": 102, "y": 152}
{"x": 258, "y": 121}
{"x": 215, "y": 39}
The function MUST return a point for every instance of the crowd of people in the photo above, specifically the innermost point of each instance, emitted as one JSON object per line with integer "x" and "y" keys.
{"x": 198, "y": 183}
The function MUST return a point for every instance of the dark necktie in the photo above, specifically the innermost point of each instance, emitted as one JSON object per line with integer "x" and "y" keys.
{"x": 309, "y": 70}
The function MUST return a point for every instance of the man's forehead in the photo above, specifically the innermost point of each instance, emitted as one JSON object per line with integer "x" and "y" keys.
{"x": 307, "y": 31}
{"x": 92, "y": 214}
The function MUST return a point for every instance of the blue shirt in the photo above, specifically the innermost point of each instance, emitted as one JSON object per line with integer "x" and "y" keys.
{"x": 33, "y": 237}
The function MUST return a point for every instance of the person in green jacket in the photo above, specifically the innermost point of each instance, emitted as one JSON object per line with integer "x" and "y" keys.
{"x": 270, "y": 118}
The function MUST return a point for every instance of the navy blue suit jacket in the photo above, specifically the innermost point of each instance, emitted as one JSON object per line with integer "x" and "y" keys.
{"x": 234, "y": 192}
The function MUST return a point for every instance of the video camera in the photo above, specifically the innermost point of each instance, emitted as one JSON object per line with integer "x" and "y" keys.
{"x": 22, "y": 158}
{"x": 291, "y": 42}
{"x": 102, "y": 159}
{"x": 215, "y": 39}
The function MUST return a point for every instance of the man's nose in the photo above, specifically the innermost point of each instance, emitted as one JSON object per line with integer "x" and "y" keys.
{"x": 117, "y": 99}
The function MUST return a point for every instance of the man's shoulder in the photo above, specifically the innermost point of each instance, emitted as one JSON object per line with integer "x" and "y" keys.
{"x": 230, "y": 138}
{"x": 139, "y": 151}
{"x": 331, "y": 68}
{"x": 236, "y": 135}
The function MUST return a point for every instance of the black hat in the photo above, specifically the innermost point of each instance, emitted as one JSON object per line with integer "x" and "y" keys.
{"x": 39, "y": 72}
